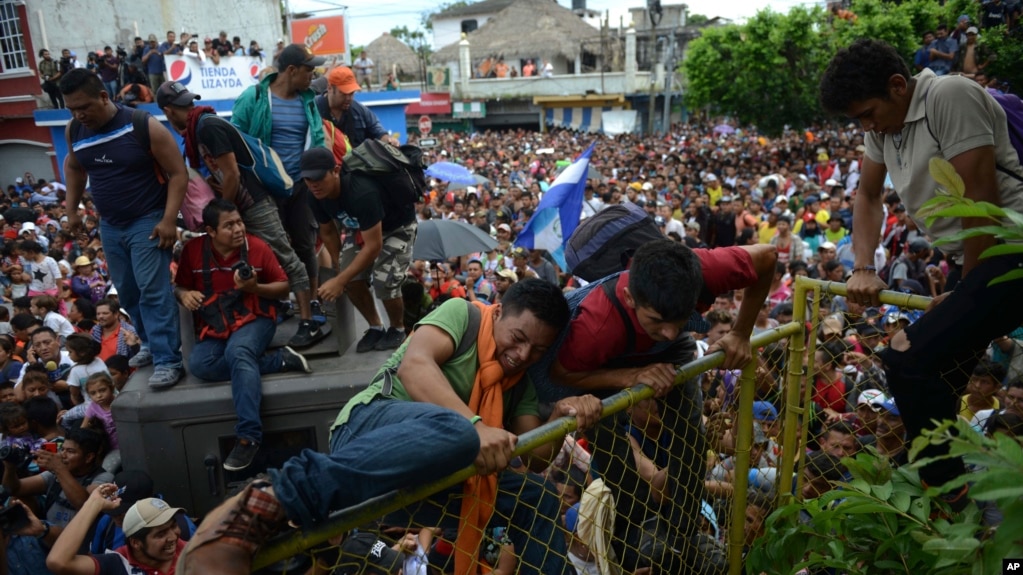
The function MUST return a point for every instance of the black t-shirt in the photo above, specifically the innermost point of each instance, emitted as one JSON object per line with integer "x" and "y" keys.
{"x": 218, "y": 137}
{"x": 362, "y": 204}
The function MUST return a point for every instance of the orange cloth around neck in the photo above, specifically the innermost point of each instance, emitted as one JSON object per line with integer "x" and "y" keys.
{"x": 487, "y": 401}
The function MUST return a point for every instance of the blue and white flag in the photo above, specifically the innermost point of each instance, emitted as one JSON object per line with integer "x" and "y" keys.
{"x": 557, "y": 215}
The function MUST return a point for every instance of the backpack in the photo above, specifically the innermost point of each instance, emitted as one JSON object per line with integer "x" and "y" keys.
{"x": 266, "y": 165}
{"x": 140, "y": 129}
{"x": 403, "y": 167}
{"x": 604, "y": 243}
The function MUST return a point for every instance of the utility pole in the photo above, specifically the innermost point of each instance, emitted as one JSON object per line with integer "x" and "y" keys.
{"x": 669, "y": 75}
{"x": 654, "y": 11}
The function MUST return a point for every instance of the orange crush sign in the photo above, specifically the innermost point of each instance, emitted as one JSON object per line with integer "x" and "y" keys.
{"x": 324, "y": 36}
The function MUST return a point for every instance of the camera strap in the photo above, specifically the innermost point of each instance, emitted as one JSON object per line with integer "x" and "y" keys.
{"x": 207, "y": 263}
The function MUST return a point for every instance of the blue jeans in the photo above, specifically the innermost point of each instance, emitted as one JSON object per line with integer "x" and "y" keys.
{"x": 111, "y": 88}
{"x": 141, "y": 272}
{"x": 241, "y": 358}
{"x": 390, "y": 444}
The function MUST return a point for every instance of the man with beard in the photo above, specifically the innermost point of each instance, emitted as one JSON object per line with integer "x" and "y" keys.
{"x": 338, "y": 105}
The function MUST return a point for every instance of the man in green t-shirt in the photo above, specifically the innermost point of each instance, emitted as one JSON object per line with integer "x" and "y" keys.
{"x": 413, "y": 425}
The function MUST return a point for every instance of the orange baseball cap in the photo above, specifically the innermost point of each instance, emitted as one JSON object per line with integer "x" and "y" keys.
{"x": 343, "y": 79}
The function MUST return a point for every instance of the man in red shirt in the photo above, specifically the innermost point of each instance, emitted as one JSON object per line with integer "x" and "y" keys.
{"x": 232, "y": 281}
{"x": 638, "y": 337}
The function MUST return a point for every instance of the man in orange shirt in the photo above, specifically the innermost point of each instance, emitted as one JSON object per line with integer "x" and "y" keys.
{"x": 115, "y": 336}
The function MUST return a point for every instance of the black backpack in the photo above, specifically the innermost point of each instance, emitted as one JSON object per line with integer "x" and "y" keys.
{"x": 604, "y": 243}
{"x": 403, "y": 169}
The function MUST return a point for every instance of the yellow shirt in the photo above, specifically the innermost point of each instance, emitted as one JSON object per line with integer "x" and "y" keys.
{"x": 767, "y": 233}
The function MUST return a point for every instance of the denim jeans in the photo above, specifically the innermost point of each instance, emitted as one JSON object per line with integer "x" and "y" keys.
{"x": 111, "y": 88}
{"x": 945, "y": 344}
{"x": 241, "y": 358}
{"x": 390, "y": 444}
{"x": 141, "y": 272}
{"x": 262, "y": 220}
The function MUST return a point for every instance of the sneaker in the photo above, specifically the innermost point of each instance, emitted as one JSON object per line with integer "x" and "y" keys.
{"x": 391, "y": 340}
{"x": 308, "y": 333}
{"x": 241, "y": 455}
{"x": 229, "y": 536}
{"x": 317, "y": 312}
{"x": 293, "y": 361}
{"x": 141, "y": 359}
{"x": 164, "y": 377}
{"x": 369, "y": 340}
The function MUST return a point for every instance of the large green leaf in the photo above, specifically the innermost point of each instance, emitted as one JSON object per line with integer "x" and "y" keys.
{"x": 945, "y": 174}
{"x": 1007, "y": 277}
{"x": 1002, "y": 250}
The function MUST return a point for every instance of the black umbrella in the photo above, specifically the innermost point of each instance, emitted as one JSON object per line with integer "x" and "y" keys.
{"x": 443, "y": 239}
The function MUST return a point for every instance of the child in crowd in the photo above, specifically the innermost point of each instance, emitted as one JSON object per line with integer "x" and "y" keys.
{"x": 117, "y": 367}
{"x": 7, "y": 393}
{"x": 45, "y": 308}
{"x": 10, "y": 366}
{"x": 14, "y": 425}
{"x": 36, "y": 383}
{"x": 100, "y": 388}
{"x": 83, "y": 351}
{"x": 19, "y": 285}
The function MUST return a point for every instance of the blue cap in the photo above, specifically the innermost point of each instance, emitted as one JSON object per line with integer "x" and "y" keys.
{"x": 708, "y": 513}
{"x": 963, "y": 18}
{"x": 890, "y": 407}
{"x": 571, "y": 518}
{"x": 811, "y": 199}
{"x": 764, "y": 411}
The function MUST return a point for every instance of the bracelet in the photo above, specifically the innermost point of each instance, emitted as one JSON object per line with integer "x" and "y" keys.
{"x": 46, "y": 530}
{"x": 475, "y": 419}
{"x": 870, "y": 269}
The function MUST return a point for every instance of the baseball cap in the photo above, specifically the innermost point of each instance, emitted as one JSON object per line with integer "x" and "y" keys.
{"x": 372, "y": 555}
{"x": 509, "y": 274}
{"x": 826, "y": 246}
{"x": 972, "y": 30}
{"x": 504, "y": 227}
{"x": 298, "y": 55}
{"x": 28, "y": 227}
{"x": 151, "y": 512}
{"x": 316, "y": 162}
{"x": 520, "y": 252}
{"x": 693, "y": 225}
{"x": 174, "y": 94}
{"x": 811, "y": 199}
{"x": 871, "y": 397}
{"x": 343, "y": 79}
{"x": 825, "y": 196}
{"x": 919, "y": 245}
{"x": 137, "y": 485}
{"x": 831, "y": 325}
{"x": 763, "y": 410}
{"x": 831, "y": 183}
{"x": 18, "y": 180}
{"x": 963, "y": 18}
{"x": 887, "y": 405}
{"x": 710, "y": 178}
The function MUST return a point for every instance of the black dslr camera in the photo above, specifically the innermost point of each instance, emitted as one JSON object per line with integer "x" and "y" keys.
{"x": 15, "y": 455}
{"x": 245, "y": 271}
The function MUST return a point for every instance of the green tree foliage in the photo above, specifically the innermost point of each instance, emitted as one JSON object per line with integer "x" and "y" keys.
{"x": 884, "y": 521}
{"x": 765, "y": 71}
{"x": 697, "y": 19}
{"x": 415, "y": 39}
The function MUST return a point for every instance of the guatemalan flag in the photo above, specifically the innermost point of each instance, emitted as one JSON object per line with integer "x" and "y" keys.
{"x": 557, "y": 215}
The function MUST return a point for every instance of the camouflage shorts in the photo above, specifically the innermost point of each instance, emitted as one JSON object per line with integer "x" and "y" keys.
{"x": 391, "y": 266}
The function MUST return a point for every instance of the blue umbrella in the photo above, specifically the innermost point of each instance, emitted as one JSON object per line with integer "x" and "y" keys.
{"x": 723, "y": 129}
{"x": 449, "y": 172}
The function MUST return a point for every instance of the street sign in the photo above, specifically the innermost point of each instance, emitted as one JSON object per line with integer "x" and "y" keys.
{"x": 427, "y": 142}
{"x": 425, "y": 125}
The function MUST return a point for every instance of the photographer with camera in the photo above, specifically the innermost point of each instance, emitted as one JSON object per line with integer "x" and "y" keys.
{"x": 110, "y": 69}
{"x": 233, "y": 282}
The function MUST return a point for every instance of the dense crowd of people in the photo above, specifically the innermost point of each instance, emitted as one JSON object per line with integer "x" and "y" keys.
{"x": 741, "y": 215}
{"x": 132, "y": 74}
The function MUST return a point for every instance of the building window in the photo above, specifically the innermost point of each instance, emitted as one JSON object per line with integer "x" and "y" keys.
{"x": 12, "y": 40}
{"x": 469, "y": 26}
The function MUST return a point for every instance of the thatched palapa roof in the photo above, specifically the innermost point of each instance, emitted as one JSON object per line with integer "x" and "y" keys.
{"x": 387, "y": 51}
{"x": 528, "y": 28}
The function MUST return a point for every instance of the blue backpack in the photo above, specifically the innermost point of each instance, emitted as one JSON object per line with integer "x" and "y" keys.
{"x": 266, "y": 165}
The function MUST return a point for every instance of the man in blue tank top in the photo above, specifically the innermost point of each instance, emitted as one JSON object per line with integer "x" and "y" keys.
{"x": 137, "y": 192}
